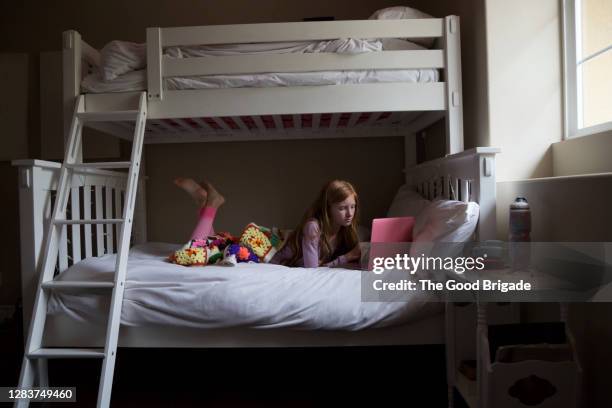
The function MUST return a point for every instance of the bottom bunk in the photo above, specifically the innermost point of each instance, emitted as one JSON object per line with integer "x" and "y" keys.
{"x": 255, "y": 295}
{"x": 249, "y": 305}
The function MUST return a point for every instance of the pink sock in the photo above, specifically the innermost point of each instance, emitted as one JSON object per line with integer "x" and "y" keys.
{"x": 204, "y": 228}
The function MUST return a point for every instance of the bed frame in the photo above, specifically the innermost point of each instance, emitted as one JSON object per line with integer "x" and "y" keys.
{"x": 473, "y": 169}
{"x": 357, "y": 110}
{"x": 468, "y": 176}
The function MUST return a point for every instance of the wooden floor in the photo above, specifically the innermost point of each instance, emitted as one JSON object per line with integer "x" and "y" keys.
{"x": 299, "y": 377}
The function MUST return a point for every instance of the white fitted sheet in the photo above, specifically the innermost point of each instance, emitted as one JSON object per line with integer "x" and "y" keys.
{"x": 248, "y": 295}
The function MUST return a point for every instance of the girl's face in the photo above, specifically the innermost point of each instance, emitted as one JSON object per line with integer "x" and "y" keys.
{"x": 342, "y": 213}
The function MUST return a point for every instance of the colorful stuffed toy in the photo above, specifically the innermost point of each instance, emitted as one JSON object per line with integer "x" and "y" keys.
{"x": 189, "y": 256}
{"x": 199, "y": 252}
{"x": 256, "y": 244}
{"x": 237, "y": 253}
{"x": 263, "y": 241}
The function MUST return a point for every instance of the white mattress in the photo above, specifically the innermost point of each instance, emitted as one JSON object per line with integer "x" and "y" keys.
{"x": 136, "y": 80}
{"x": 248, "y": 295}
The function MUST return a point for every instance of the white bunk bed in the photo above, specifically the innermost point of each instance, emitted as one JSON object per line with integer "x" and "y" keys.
{"x": 351, "y": 110}
{"x": 185, "y": 116}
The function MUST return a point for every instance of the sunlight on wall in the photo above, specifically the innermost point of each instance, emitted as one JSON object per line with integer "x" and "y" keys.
{"x": 525, "y": 92}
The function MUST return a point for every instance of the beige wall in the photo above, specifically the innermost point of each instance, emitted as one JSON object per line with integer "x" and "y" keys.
{"x": 271, "y": 183}
{"x": 583, "y": 155}
{"x": 524, "y": 79}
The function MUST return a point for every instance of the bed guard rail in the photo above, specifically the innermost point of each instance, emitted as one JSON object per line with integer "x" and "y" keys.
{"x": 94, "y": 193}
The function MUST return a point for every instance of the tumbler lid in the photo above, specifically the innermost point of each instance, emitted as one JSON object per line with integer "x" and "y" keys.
{"x": 520, "y": 203}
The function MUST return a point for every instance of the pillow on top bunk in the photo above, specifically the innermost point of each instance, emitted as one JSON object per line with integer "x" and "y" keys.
{"x": 120, "y": 57}
{"x": 402, "y": 13}
{"x": 407, "y": 203}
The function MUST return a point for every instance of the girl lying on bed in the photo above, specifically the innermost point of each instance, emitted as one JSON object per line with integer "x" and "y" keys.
{"x": 326, "y": 236}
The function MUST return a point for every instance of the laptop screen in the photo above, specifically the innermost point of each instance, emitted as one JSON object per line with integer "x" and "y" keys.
{"x": 398, "y": 229}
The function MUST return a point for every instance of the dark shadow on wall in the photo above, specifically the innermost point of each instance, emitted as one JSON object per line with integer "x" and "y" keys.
{"x": 431, "y": 142}
{"x": 10, "y": 282}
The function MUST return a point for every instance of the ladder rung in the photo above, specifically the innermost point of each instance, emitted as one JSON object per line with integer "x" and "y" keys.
{"x": 67, "y": 353}
{"x": 100, "y": 165}
{"x": 81, "y": 286}
{"x": 110, "y": 116}
{"x": 92, "y": 221}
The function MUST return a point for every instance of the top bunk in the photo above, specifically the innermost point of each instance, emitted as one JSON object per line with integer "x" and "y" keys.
{"x": 323, "y": 79}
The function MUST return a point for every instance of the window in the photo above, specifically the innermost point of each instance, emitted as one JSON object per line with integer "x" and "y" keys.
{"x": 587, "y": 28}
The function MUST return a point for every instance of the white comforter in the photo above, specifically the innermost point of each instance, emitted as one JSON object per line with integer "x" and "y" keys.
{"x": 135, "y": 80}
{"x": 252, "y": 295}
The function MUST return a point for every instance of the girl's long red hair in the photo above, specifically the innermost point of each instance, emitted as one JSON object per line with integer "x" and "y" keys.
{"x": 333, "y": 192}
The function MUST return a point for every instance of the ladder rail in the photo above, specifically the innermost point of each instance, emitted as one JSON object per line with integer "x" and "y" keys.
{"x": 39, "y": 312}
{"x": 113, "y": 325}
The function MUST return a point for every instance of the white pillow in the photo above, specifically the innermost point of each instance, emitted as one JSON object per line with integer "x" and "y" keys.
{"x": 449, "y": 222}
{"x": 407, "y": 203}
{"x": 120, "y": 57}
{"x": 446, "y": 221}
{"x": 402, "y": 13}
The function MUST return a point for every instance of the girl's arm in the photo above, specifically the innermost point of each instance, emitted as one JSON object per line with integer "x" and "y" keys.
{"x": 338, "y": 261}
{"x": 353, "y": 255}
{"x": 310, "y": 244}
{"x": 310, "y": 248}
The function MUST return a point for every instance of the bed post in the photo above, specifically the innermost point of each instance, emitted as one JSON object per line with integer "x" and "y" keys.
{"x": 154, "y": 64}
{"x": 37, "y": 180}
{"x": 72, "y": 74}
{"x": 452, "y": 83}
{"x": 485, "y": 194}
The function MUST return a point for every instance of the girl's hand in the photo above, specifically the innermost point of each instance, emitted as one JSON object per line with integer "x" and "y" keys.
{"x": 354, "y": 254}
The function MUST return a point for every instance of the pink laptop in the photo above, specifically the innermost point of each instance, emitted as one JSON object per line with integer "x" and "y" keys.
{"x": 391, "y": 231}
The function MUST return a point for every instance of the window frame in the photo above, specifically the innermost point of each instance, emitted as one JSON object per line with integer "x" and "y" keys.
{"x": 572, "y": 88}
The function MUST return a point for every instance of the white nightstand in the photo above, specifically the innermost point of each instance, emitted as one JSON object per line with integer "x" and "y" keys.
{"x": 494, "y": 379}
